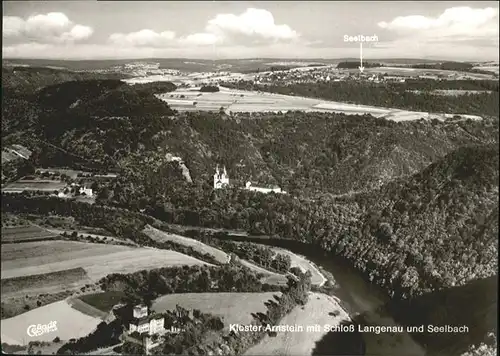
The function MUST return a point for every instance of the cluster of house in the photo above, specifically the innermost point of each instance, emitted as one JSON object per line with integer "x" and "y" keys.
{"x": 300, "y": 75}
{"x": 221, "y": 180}
{"x": 328, "y": 73}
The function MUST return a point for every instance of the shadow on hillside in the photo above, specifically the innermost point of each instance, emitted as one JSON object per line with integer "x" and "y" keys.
{"x": 473, "y": 305}
{"x": 338, "y": 343}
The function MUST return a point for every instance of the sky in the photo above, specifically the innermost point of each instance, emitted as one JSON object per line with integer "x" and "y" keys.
{"x": 453, "y": 30}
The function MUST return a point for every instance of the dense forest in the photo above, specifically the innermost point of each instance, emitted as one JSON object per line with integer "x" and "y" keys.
{"x": 305, "y": 154}
{"x": 93, "y": 121}
{"x": 393, "y": 95}
{"x": 355, "y": 65}
{"x": 463, "y": 66}
{"x": 440, "y": 308}
{"x": 260, "y": 255}
{"x": 28, "y": 80}
{"x": 209, "y": 89}
{"x": 151, "y": 284}
{"x": 264, "y": 68}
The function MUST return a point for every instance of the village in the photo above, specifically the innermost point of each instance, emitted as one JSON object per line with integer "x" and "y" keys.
{"x": 290, "y": 73}
{"x": 60, "y": 182}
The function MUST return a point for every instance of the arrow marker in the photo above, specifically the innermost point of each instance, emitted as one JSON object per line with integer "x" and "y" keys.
{"x": 361, "y": 68}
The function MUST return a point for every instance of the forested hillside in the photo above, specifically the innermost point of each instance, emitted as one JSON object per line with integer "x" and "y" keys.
{"x": 432, "y": 230}
{"x": 473, "y": 305}
{"x": 19, "y": 88}
{"x": 28, "y": 80}
{"x": 415, "y": 240}
{"x": 107, "y": 121}
{"x": 312, "y": 153}
{"x": 98, "y": 121}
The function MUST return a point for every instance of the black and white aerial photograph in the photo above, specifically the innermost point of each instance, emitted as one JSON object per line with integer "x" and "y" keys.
{"x": 219, "y": 178}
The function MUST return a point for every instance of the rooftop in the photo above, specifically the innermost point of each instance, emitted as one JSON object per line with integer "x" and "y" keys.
{"x": 145, "y": 319}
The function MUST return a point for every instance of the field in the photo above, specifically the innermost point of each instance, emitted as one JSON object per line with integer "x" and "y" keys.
{"x": 493, "y": 69}
{"x": 233, "y": 308}
{"x": 47, "y": 271}
{"x": 460, "y": 92}
{"x": 405, "y": 71}
{"x": 44, "y": 283}
{"x": 269, "y": 277}
{"x": 453, "y": 92}
{"x": 25, "y": 233}
{"x": 98, "y": 260}
{"x": 73, "y": 174}
{"x": 36, "y": 185}
{"x": 82, "y": 233}
{"x": 103, "y": 301}
{"x": 70, "y": 324}
{"x": 250, "y": 101}
{"x": 301, "y": 262}
{"x": 85, "y": 308}
{"x": 316, "y": 311}
{"x": 162, "y": 236}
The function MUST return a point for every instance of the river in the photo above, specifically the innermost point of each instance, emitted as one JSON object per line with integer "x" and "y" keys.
{"x": 363, "y": 301}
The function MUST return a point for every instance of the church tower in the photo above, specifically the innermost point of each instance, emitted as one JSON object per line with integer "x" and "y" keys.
{"x": 221, "y": 179}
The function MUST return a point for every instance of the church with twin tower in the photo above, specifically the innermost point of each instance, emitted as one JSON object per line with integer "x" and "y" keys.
{"x": 221, "y": 178}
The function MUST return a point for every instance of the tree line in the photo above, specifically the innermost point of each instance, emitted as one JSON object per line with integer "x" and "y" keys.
{"x": 390, "y": 95}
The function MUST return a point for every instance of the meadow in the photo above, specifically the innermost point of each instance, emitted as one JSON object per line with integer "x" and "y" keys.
{"x": 162, "y": 236}
{"x": 33, "y": 185}
{"x": 319, "y": 310}
{"x": 233, "y": 308}
{"x": 232, "y": 100}
{"x": 51, "y": 282}
{"x": 98, "y": 260}
{"x": 25, "y": 233}
{"x": 103, "y": 301}
{"x": 70, "y": 323}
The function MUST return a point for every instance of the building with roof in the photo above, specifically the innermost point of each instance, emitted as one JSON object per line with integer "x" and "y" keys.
{"x": 86, "y": 190}
{"x": 276, "y": 190}
{"x": 221, "y": 179}
{"x": 146, "y": 324}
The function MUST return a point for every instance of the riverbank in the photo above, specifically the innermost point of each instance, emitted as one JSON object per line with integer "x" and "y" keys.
{"x": 313, "y": 318}
{"x": 363, "y": 302}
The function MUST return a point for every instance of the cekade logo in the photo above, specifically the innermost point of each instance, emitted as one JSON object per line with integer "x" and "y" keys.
{"x": 39, "y": 329}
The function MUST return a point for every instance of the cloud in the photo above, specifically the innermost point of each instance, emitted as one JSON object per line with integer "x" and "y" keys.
{"x": 54, "y": 27}
{"x": 254, "y": 26}
{"x": 457, "y": 23}
{"x": 143, "y": 38}
{"x": 200, "y": 39}
{"x": 12, "y": 26}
